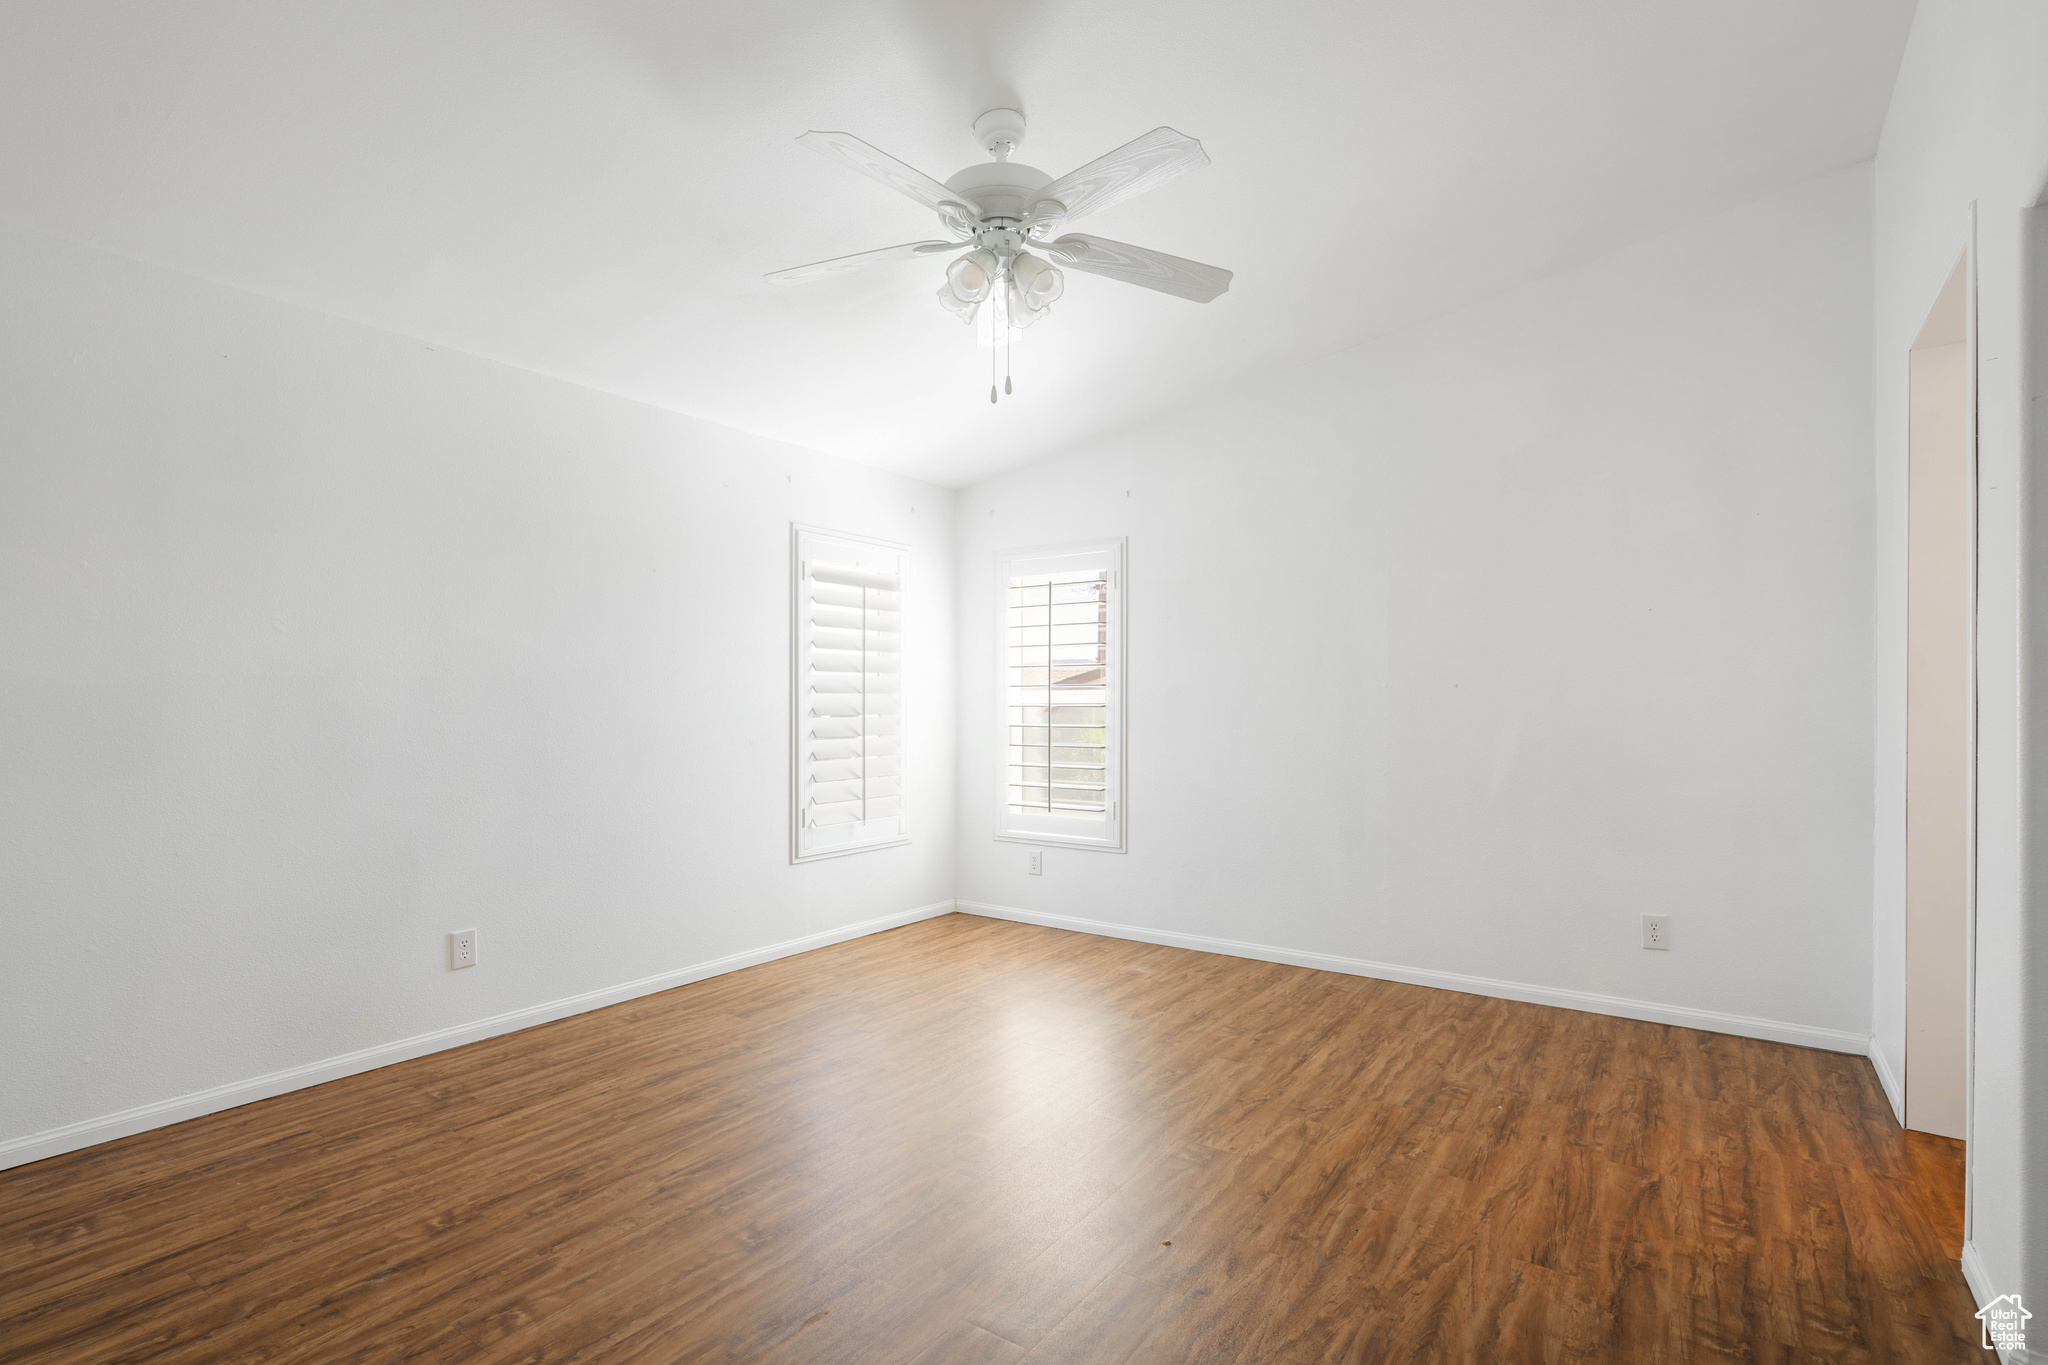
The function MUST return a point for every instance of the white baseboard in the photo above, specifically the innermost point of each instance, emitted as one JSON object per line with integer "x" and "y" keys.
{"x": 1889, "y": 1079}
{"x": 1978, "y": 1277}
{"x": 1773, "y": 1030}
{"x": 86, "y": 1133}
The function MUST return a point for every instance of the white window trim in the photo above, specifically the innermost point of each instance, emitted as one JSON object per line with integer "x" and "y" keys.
{"x": 1112, "y": 841}
{"x": 797, "y": 532}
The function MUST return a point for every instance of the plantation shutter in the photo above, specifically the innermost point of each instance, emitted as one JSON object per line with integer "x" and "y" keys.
{"x": 1061, "y": 627}
{"x": 848, "y": 695}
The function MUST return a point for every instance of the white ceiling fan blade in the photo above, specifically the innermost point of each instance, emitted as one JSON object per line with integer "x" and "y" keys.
{"x": 1133, "y": 168}
{"x": 1136, "y": 265}
{"x": 859, "y": 259}
{"x": 850, "y": 151}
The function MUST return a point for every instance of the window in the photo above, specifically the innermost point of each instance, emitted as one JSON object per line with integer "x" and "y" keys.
{"x": 1062, "y": 680}
{"x": 846, "y": 743}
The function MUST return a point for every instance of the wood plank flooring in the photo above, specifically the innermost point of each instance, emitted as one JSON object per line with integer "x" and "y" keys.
{"x": 974, "y": 1141}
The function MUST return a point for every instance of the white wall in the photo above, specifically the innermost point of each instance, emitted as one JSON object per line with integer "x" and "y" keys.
{"x": 1502, "y": 631}
{"x": 317, "y": 643}
{"x": 1968, "y": 125}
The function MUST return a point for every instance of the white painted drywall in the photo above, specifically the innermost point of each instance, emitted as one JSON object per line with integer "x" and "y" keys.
{"x": 1968, "y": 131}
{"x": 1463, "y": 649}
{"x": 317, "y": 643}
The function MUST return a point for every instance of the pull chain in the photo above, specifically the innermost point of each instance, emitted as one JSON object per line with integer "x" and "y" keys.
{"x": 999, "y": 295}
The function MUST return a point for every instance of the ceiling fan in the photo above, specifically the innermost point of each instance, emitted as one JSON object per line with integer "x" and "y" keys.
{"x": 1001, "y": 208}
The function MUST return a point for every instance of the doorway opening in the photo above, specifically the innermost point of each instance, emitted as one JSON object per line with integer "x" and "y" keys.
{"x": 1940, "y": 713}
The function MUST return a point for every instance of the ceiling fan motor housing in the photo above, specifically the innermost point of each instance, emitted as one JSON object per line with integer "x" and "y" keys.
{"x": 1004, "y": 190}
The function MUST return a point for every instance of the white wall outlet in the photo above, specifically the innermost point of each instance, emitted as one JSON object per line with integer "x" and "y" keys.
{"x": 461, "y": 949}
{"x": 1657, "y": 932}
{"x": 1037, "y": 863}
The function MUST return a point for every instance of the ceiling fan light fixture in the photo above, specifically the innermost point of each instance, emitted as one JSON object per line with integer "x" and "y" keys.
{"x": 971, "y": 277}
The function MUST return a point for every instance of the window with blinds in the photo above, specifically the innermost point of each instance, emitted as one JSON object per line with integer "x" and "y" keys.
{"x": 847, "y": 744}
{"x": 1062, "y": 680}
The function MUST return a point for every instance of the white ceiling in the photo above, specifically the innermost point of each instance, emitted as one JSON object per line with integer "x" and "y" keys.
{"x": 593, "y": 190}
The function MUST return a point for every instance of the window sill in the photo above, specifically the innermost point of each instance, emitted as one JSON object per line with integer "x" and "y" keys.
{"x": 1057, "y": 841}
{"x": 824, "y": 853}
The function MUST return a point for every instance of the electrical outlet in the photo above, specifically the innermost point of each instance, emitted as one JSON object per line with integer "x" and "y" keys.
{"x": 1037, "y": 863}
{"x": 461, "y": 949}
{"x": 1657, "y": 932}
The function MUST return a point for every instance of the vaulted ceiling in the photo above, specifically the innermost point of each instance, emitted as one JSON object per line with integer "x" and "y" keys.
{"x": 593, "y": 190}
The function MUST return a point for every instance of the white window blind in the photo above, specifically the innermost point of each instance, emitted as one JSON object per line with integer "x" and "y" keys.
{"x": 1062, "y": 680}
{"x": 847, "y": 743}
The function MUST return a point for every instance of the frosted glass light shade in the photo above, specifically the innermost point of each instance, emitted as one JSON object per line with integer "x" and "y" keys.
{"x": 971, "y": 277}
{"x": 1038, "y": 282}
{"x": 957, "y": 306}
{"x": 1022, "y": 314}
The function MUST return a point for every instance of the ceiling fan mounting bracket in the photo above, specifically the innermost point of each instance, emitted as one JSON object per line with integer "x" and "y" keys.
{"x": 1000, "y": 132}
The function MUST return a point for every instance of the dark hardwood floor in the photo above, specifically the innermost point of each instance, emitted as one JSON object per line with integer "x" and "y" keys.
{"x": 973, "y": 1141}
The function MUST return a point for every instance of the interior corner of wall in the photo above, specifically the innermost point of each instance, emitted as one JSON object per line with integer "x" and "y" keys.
{"x": 1888, "y": 1077}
